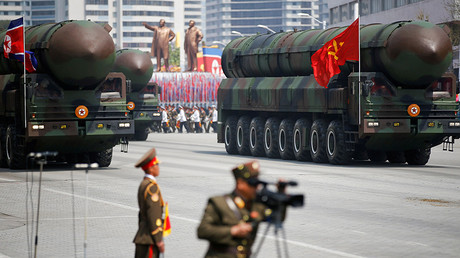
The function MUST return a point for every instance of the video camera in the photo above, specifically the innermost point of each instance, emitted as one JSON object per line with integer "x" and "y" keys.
{"x": 279, "y": 199}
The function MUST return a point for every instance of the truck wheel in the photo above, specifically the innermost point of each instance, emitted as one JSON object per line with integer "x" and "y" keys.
{"x": 301, "y": 139}
{"x": 318, "y": 141}
{"x": 286, "y": 139}
{"x": 230, "y": 135}
{"x": 377, "y": 156}
{"x": 15, "y": 156}
{"x": 242, "y": 135}
{"x": 396, "y": 157}
{"x": 3, "y": 163}
{"x": 256, "y": 137}
{"x": 103, "y": 158}
{"x": 271, "y": 137}
{"x": 141, "y": 135}
{"x": 418, "y": 157}
{"x": 335, "y": 142}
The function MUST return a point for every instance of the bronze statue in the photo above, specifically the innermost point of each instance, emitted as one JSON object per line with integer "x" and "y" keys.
{"x": 193, "y": 37}
{"x": 160, "y": 48}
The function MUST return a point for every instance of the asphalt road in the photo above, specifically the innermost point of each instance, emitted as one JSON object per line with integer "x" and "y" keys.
{"x": 359, "y": 210}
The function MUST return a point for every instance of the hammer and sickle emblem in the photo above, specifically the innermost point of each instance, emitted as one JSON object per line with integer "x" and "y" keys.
{"x": 334, "y": 51}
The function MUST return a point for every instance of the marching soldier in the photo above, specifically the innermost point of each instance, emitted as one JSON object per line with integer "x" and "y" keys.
{"x": 196, "y": 119}
{"x": 164, "y": 119}
{"x": 230, "y": 221}
{"x": 149, "y": 237}
{"x": 214, "y": 119}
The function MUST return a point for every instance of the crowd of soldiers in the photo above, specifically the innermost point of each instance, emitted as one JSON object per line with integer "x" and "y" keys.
{"x": 195, "y": 119}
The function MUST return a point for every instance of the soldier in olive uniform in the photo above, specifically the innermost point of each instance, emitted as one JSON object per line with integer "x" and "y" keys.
{"x": 230, "y": 222}
{"x": 149, "y": 237}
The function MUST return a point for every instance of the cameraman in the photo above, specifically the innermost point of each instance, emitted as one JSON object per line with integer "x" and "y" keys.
{"x": 230, "y": 221}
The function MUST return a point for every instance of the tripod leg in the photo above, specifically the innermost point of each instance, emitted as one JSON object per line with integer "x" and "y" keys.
{"x": 285, "y": 242}
{"x": 261, "y": 241}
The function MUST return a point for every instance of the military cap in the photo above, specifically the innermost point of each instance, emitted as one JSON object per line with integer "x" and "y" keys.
{"x": 195, "y": 107}
{"x": 149, "y": 159}
{"x": 180, "y": 107}
{"x": 249, "y": 172}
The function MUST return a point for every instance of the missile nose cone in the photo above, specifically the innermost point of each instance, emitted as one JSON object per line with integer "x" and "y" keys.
{"x": 430, "y": 44}
{"x": 81, "y": 52}
{"x": 74, "y": 40}
{"x": 136, "y": 65}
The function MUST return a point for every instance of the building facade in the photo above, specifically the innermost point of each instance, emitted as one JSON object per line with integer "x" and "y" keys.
{"x": 229, "y": 19}
{"x": 341, "y": 12}
{"x": 125, "y": 16}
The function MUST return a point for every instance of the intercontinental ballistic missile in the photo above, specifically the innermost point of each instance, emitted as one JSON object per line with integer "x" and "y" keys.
{"x": 78, "y": 54}
{"x": 135, "y": 65}
{"x": 411, "y": 53}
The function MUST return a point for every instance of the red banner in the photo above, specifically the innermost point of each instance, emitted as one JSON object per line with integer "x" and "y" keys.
{"x": 334, "y": 53}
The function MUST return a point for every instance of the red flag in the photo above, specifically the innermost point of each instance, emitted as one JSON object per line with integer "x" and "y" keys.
{"x": 167, "y": 222}
{"x": 13, "y": 45}
{"x": 334, "y": 53}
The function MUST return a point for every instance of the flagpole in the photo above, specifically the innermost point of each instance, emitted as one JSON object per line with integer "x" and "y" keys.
{"x": 24, "y": 63}
{"x": 359, "y": 60}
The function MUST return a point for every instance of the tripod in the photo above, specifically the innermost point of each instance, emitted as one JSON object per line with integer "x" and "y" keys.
{"x": 275, "y": 221}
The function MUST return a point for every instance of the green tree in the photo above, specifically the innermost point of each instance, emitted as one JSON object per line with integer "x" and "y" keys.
{"x": 174, "y": 57}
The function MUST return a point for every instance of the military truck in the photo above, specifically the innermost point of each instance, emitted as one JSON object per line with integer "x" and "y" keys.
{"x": 72, "y": 105}
{"x": 142, "y": 95}
{"x": 400, "y": 105}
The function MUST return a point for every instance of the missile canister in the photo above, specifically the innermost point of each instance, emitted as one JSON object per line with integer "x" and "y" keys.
{"x": 135, "y": 65}
{"x": 411, "y": 53}
{"x": 78, "y": 54}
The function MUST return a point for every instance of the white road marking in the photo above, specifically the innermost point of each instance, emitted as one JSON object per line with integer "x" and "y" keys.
{"x": 8, "y": 180}
{"x": 314, "y": 247}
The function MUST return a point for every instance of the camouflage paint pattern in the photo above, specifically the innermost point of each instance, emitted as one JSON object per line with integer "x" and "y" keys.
{"x": 403, "y": 63}
{"x": 394, "y": 49}
{"x": 138, "y": 68}
{"x": 78, "y": 54}
{"x": 54, "y": 108}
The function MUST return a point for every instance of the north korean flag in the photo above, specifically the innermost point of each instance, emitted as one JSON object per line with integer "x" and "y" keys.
{"x": 13, "y": 45}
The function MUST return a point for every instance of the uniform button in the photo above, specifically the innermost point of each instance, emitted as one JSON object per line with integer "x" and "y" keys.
{"x": 245, "y": 217}
{"x": 244, "y": 242}
{"x": 240, "y": 248}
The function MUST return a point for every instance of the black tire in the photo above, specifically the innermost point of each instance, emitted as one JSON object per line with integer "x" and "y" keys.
{"x": 286, "y": 139}
{"x": 230, "y": 135}
{"x": 418, "y": 157}
{"x": 335, "y": 144}
{"x": 242, "y": 135}
{"x": 301, "y": 140}
{"x": 271, "y": 137}
{"x": 103, "y": 158}
{"x": 318, "y": 141}
{"x": 256, "y": 137}
{"x": 141, "y": 135}
{"x": 396, "y": 157}
{"x": 3, "y": 163}
{"x": 377, "y": 156}
{"x": 15, "y": 154}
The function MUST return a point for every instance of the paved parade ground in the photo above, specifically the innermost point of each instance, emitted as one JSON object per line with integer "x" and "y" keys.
{"x": 358, "y": 210}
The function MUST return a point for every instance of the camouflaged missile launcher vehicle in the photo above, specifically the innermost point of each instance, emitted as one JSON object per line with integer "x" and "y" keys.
{"x": 271, "y": 105}
{"x": 73, "y": 104}
{"x": 142, "y": 96}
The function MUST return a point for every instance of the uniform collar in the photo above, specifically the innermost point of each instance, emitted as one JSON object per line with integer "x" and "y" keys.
{"x": 150, "y": 177}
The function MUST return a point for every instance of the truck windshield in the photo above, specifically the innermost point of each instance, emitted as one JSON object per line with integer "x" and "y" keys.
{"x": 148, "y": 92}
{"x": 46, "y": 90}
{"x": 110, "y": 89}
